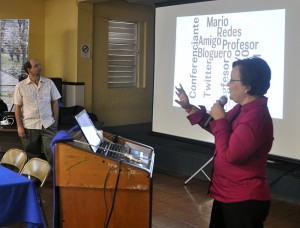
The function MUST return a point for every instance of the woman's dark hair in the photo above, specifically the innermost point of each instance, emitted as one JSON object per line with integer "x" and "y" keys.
{"x": 27, "y": 65}
{"x": 255, "y": 74}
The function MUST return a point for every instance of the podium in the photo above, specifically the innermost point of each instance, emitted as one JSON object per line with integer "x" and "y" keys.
{"x": 93, "y": 190}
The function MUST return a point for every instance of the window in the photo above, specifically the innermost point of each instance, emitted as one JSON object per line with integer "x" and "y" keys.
{"x": 122, "y": 54}
{"x": 13, "y": 54}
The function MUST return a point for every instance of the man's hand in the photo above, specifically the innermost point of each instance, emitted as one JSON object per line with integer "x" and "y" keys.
{"x": 21, "y": 132}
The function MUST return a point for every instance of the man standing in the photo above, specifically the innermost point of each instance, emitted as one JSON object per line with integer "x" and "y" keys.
{"x": 18, "y": 53}
{"x": 36, "y": 111}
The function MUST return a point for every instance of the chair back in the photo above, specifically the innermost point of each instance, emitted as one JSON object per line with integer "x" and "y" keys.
{"x": 14, "y": 157}
{"x": 37, "y": 168}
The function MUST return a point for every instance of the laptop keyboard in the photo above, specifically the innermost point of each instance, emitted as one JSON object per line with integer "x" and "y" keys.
{"x": 113, "y": 150}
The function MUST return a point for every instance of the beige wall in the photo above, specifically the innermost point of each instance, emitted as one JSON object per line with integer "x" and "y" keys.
{"x": 121, "y": 106}
{"x": 85, "y": 36}
{"x": 61, "y": 39}
{"x": 57, "y": 30}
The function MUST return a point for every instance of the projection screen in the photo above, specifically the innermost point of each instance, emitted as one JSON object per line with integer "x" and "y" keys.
{"x": 195, "y": 45}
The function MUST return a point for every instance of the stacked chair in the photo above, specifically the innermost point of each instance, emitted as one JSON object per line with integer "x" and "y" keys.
{"x": 35, "y": 169}
{"x": 14, "y": 159}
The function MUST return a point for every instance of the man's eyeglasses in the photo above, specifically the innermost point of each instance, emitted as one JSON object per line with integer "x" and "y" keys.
{"x": 234, "y": 80}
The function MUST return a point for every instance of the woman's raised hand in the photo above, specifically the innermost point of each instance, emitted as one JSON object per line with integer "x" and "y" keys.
{"x": 183, "y": 99}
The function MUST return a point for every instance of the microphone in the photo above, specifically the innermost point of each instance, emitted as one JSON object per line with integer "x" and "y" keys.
{"x": 222, "y": 101}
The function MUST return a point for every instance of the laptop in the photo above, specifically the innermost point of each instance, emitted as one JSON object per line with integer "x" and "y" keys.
{"x": 93, "y": 139}
{"x": 104, "y": 147}
{"x": 88, "y": 130}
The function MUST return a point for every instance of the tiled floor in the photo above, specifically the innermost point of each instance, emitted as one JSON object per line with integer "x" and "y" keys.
{"x": 176, "y": 205}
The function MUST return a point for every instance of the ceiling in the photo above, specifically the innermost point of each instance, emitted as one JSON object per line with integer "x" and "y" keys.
{"x": 150, "y": 2}
{"x": 154, "y": 2}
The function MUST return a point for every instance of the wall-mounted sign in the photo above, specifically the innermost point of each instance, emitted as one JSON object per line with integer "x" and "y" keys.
{"x": 85, "y": 51}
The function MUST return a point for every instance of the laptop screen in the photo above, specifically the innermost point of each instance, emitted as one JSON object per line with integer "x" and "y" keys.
{"x": 88, "y": 129}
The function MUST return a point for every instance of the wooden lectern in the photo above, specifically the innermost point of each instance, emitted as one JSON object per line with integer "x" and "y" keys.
{"x": 93, "y": 189}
